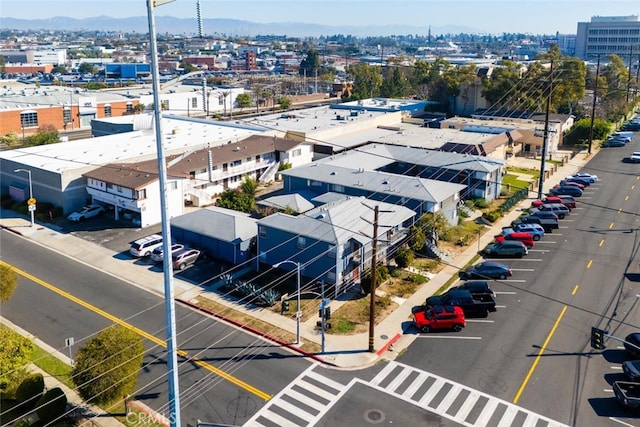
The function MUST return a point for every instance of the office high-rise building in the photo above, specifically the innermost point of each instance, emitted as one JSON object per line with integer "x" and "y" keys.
{"x": 606, "y": 35}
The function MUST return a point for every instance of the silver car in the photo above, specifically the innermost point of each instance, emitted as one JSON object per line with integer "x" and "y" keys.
{"x": 184, "y": 257}
{"x": 158, "y": 253}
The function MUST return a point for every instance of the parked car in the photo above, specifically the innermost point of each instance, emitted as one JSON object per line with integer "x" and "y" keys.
{"x": 613, "y": 143}
{"x": 536, "y": 230}
{"x": 628, "y": 394}
{"x": 464, "y": 299}
{"x": 591, "y": 176}
{"x": 525, "y": 238}
{"x": 144, "y": 246}
{"x": 439, "y": 317}
{"x": 158, "y": 253}
{"x": 631, "y": 369}
{"x": 548, "y": 224}
{"x": 553, "y": 199}
{"x": 480, "y": 289}
{"x": 557, "y": 208}
{"x": 184, "y": 258}
{"x": 584, "y": 181}
{"x": 86, "y": 213}
{"x": 567, "y": 190}
{"x": 507, "y": 248}
{"x": 635, "y": 157}
{"x": 486, "y": 270}
{"x": 537, "y": 212}
{"x": 632, "y": 344}
{"x": 565, "y": 182}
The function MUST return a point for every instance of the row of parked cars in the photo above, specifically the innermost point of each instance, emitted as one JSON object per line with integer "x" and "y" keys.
{"x": 151, "y": 246}
{"x": 475, "y": 297}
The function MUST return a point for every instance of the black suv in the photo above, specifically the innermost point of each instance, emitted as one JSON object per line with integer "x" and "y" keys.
{"x": 463, "y": 299}
{"x": 480, "y": 289}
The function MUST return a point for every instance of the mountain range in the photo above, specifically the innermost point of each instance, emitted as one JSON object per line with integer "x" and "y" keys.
{"x": 226, "y": 27}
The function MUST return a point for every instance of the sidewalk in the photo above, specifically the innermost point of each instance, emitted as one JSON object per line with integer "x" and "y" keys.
{"x": 342, "y": 351}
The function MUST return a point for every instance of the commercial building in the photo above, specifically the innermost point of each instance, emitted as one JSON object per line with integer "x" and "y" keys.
{"x": 606, "y": 35}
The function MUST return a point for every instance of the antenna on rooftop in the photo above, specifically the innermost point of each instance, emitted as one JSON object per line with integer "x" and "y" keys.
{"x": 199, "y": 16}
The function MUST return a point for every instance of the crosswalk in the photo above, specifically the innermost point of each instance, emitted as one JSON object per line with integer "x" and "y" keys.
{"x": 310, "y": 396}
{"x": 454, "y": 401}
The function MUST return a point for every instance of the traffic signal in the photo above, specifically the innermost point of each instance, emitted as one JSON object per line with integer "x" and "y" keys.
{"x": 284, "y": 307}
{"x": 597, "y": 338}
{"x": 327, "y": 313}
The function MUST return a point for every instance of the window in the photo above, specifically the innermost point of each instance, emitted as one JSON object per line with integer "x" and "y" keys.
{"x": 262, "y": 232}
{"x": 66, "y": 115}
{"x": 129, "y": 109}
{"x": 248, "y": 159}
{"x": 141, "y": 194}
{"x": 194, "y": 102}
{"x": 338, "y": 188}
{"x": 107, "y": 110}
{"x": 203, "y": 170}
{"x": 119, "y": 189}
{"x": 29, "y": 119}
{"x": 109, "y": 186}
{"x": 237, "y": 162}
{"x": 172, "y": 185}
{"x": 297, "y": 152}
{"x": 258, "y": 158}
{"x": 302, "y": 242}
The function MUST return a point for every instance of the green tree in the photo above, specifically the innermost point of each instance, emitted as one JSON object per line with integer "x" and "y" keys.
{"x": 366, "y": 80}
{"x": 310, "y": 65}
{"x": 285, "y": 102}
{"x": 404, "y": 257}
{"x": 237, "y": 201}
{"x": 395, "y": 84}
{"x": 243, "y": 100}
{"x": 46, "y": 134}
{"x": 15, "y": 353}
{"x": 8, "y": 282}
{"x": 418, "y": 239}
{"x": 188, "y": 68}
{"x": 106, "y": 367}
{"x": 249, "y": 186}
{"x": 59, "y": 69}
{"x": 10, "y": 139}
{"x": 87, "y": 67}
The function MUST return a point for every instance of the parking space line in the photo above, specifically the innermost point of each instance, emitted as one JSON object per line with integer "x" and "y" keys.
{"x": 506, "y": 293}
{"x": 522, "y": 269}
{"x": 514, "y": 280}
{"x": 501, "y": 306}
{"x": 531, "y": 259}
{"x": 546, "y": 242}
{"x": 617, "y": 368}
{"x": 480, "y": 321}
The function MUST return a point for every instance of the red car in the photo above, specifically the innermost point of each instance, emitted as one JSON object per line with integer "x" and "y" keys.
{"x": 553, "y": 199}
{"x": 439, "y": 317}
{"x": 564, "y": 183}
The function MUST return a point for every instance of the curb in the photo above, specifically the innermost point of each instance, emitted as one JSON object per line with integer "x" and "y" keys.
{"x": 11, "y": 230}
{"x": 388, "y": 345}
{"x": 257, "y": 332}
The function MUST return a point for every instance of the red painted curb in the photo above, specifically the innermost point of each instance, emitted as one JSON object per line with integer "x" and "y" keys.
{"x": 389, "y": 344}
{"x": 255, "y": 331}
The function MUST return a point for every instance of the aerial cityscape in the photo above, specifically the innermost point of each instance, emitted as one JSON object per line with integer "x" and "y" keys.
{"x": 319, "y": 214}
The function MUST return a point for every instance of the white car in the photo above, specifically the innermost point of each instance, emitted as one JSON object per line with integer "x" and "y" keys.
{"x": 590, "y": 176}
{"x": 635, "y": 157}
{"x": 86, "y": 213}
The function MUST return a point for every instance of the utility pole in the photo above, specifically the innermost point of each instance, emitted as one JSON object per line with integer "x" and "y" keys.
{"x": 545, "y": 137}
{"x": 629, "y": 75}
{"x": 593, "y": 107}
{"x": 372, "y": 299}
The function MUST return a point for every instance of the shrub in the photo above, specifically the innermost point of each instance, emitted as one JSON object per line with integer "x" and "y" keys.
{"x": 404, "y": 257}
{"x": 52, "y": 405}
{"x": 30, "y": 390}
{"x": 480, "y": 203}
{"x": 418, "y": 279}
{"x": 492, "y": 216}
{"x": 15, "y": 354}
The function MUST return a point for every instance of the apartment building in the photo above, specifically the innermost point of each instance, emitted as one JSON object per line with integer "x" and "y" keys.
{"x": 606, "y": 35}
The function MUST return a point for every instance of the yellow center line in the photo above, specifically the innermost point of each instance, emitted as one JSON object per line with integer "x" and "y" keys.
{"x": 619, "y": 210}
{"x": 633, "y": 186}
{"x": 575, "y": 290}
{"x": 601, "y": 243}
{"x": 140, "y": 332}
{"x": 610, "y": 226}
{"x": 537, "y": 360}
{"x": 589, "y": 263}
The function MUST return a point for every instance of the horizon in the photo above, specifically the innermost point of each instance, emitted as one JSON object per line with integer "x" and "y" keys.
{"x": 490, "y": 17}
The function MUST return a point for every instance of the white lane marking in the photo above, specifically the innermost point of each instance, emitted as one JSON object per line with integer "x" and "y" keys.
{"x": 480, "y": 321}
{"x": 505, "y": 293}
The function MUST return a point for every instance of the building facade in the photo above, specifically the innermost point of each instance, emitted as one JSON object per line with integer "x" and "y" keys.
{"x": 606, "y": 35}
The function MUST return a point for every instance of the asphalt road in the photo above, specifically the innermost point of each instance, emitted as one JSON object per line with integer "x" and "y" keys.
{"x": 536, "y": 349}
{"x": 258, "y": 368}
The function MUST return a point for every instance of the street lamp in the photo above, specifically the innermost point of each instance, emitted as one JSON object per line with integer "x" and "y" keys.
{"x": 298, "y": 312}
{"x": 30, "y": 194}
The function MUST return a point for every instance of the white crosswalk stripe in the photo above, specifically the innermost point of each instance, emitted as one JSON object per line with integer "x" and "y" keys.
{"x": 477, "y": 409}
{"x": 315, "y": 393}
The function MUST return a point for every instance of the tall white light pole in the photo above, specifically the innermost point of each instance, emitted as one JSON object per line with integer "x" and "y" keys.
{"x": 32, "y": 210}
{"x": 298, "y": 311}
{"x": 169, "y": 304}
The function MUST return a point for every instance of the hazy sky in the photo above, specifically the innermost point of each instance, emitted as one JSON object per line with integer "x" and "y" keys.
{"x": 497, "y": 16}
